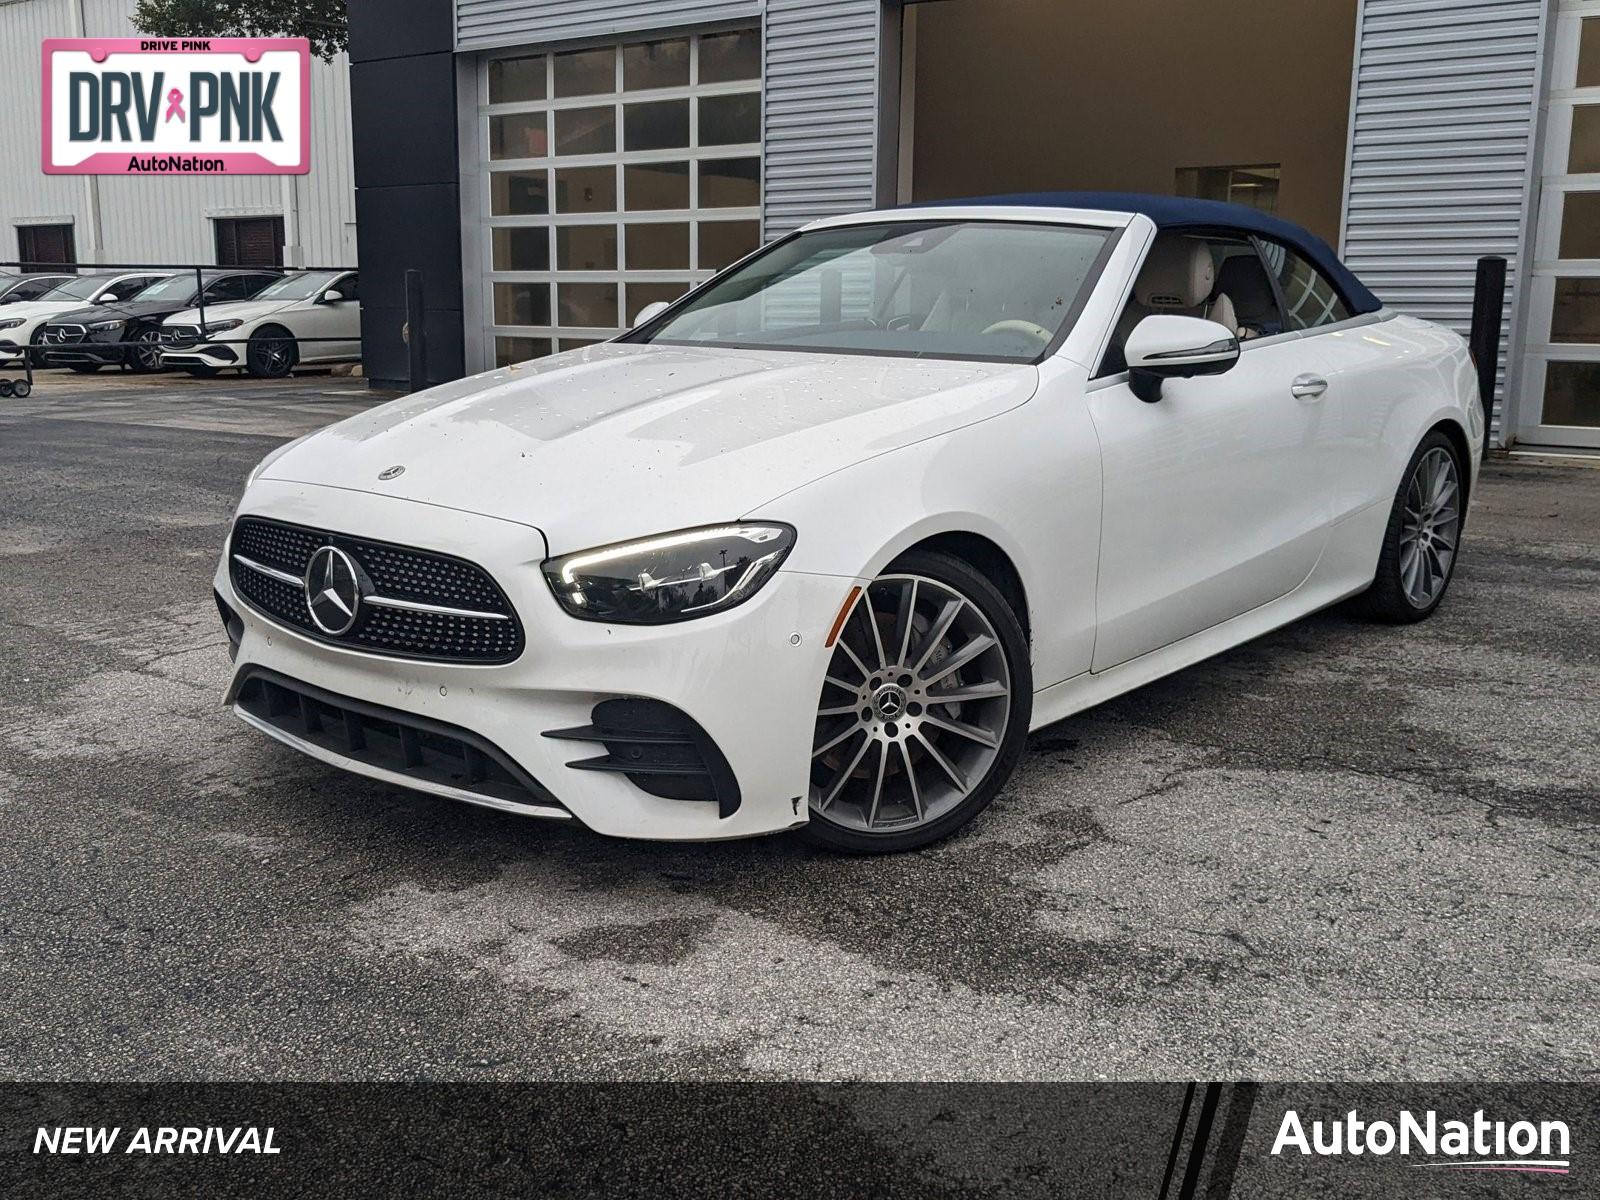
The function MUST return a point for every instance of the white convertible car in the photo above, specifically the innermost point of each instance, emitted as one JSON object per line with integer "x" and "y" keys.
{"x": 307, "y": 317}
{"x": 820, "y": 543}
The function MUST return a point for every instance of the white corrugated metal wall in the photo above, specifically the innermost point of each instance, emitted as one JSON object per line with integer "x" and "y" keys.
{"x": 164, "y": 219}
{"x": 486, "y": 24}
{"x": 824, "y": 60}
{"x": 1444, "y": 112}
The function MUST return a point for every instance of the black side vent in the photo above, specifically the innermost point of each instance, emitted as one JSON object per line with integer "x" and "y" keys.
{"x": 660, "y": 749}
{"x": 231, "y": 623}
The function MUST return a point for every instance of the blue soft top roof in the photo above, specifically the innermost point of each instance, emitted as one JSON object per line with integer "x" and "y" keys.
{"x": 1177, "y": 212}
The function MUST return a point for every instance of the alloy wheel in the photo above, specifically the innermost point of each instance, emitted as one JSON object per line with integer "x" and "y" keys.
{"x": 1430, "y": 527}
{"x": 271, "y": 357}
{"x": 913, "y": 710}
{"x": 147, "y": 350}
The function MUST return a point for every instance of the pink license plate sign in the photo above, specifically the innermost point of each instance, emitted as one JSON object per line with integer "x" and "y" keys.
{"x": 171, "y": 106}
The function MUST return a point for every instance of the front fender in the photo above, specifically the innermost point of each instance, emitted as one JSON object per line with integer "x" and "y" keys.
{"x": 1027, "y": 480}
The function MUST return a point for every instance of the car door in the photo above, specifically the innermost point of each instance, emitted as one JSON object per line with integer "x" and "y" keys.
{"x": 345, "y": 318}
{"x": 1357, "y": 361}
{"x": 1215, "y": 496}
{"x": 338, "y": 321}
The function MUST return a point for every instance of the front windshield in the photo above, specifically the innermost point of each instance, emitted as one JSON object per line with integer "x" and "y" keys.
{"x": 173, "y": 287}
{"x": 301, "y": 286}
{"x": 990, "y": 290}
{"x": 81, "y": 288}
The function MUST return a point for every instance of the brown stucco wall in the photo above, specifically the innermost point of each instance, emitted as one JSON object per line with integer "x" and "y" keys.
{"x": 1017, "y": 95}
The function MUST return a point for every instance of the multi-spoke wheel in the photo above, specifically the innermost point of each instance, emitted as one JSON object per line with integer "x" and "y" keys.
{"x": 271, "y": 353}
{"x": 144, "y": 354}
{"x": 1423, "y": 537}
{"x": 924, "y": 709}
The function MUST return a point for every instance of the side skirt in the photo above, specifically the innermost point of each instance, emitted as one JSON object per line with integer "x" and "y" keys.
{"x": 1346, "y": 569}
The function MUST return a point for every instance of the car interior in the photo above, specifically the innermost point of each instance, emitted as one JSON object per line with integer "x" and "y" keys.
{"x": 1220, "y": 279}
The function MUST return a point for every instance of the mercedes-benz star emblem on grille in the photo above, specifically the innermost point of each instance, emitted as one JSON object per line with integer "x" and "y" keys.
{"x": 391, "y": 472}
{"x": 333, "y": 590}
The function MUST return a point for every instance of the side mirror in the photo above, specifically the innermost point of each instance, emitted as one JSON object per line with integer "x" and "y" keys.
{"x": 108, "y": 298}
{"x": 1163, "y": 347}
{"x": 332, "y": 296}
{"x": 650, "y": 312}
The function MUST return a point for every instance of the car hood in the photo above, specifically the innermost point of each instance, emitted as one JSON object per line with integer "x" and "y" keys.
{"x": 618, "y": 441}
{"x": 232, "y": 310}
{"x": 150, "y": 310}
{"x": 32, "y": 309}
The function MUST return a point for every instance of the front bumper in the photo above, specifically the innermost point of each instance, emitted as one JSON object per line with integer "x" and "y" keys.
{"x": 749, "y": 678}
{"x": 209, "y": 355}
{"x": 61, "y": 355}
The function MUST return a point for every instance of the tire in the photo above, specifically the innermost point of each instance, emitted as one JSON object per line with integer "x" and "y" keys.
{"x": 937, "y": 765}
{"x": 144, "y": 352}
{"x": 6, "y": 387}
{"x": 268, "y": 358}
{"x": 85, "y": 368}
{"x": 1427, "y": 513}
{"x": 21, "y": 389}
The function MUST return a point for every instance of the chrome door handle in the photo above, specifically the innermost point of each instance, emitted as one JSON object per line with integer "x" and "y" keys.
{"x": 1308, "y": 387}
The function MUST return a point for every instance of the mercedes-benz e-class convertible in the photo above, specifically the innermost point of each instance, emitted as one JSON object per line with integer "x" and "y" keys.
{"x": 817, "y": 545}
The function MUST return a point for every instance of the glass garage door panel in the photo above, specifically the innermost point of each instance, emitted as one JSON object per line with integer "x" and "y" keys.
{"x": 1572, "y": 394}
{"x": 617, "y": 176}
{"x": 1558, "y": 398}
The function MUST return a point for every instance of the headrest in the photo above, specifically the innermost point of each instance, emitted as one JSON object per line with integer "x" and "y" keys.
{"x": 1178, "y": 273}
{"x": 1244, "y": 281}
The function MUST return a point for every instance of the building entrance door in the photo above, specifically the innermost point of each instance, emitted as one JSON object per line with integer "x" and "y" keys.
{"x": 610, "y": 177}
{"x": 1560, "y": 385}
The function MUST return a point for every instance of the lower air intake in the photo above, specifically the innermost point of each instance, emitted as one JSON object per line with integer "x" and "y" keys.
{"x": 429, "y": 752}
{"x": 661, "y": 749}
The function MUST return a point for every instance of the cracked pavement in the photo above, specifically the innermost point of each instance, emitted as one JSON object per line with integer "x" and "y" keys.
{"x": 1343, "y": 851}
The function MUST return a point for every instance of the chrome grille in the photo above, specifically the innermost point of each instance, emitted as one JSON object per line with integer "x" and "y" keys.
{"x": 422, "y": 604}
{"x": 180, "y": 335}
{"x": 61, "y": 335}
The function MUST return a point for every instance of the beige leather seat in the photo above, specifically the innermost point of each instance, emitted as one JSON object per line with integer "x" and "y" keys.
{"x": 1177, "y": 277}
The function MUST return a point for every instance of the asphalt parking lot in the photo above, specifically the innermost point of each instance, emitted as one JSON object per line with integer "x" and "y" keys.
{"x": 1343, "y": 851}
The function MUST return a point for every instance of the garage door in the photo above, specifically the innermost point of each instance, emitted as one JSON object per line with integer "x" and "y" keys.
{"x": 613, "y": 177}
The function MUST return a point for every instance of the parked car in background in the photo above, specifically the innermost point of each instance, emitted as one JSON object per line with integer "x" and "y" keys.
{"x": 270, "y": 334}
{"x": 23, "y": 323}
{"x": 129, "y": 331}
{"x": 15, "y": 289}
{"x": 820, "y": 543}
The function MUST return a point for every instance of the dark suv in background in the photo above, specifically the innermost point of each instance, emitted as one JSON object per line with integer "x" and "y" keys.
{"x": 87, "y": 339}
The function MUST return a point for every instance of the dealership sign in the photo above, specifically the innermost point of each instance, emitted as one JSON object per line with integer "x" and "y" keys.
{"x": 170, "y": 106}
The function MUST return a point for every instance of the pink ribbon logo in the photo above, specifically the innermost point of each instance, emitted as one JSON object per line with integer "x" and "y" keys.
{"x": 175, "y": 105}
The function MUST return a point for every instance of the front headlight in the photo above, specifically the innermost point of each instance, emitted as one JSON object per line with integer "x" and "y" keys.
{"x": 11, "y": 324}
{"x": 674, "y": 577}
{"x": 212, "y": 327}
{"x": 102, "y": 326}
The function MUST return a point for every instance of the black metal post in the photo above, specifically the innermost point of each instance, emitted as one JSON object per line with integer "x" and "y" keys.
{"x": 1488, "y": 311}
{"x": 416, "y": 333}
{"x": 200, "y": 300}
